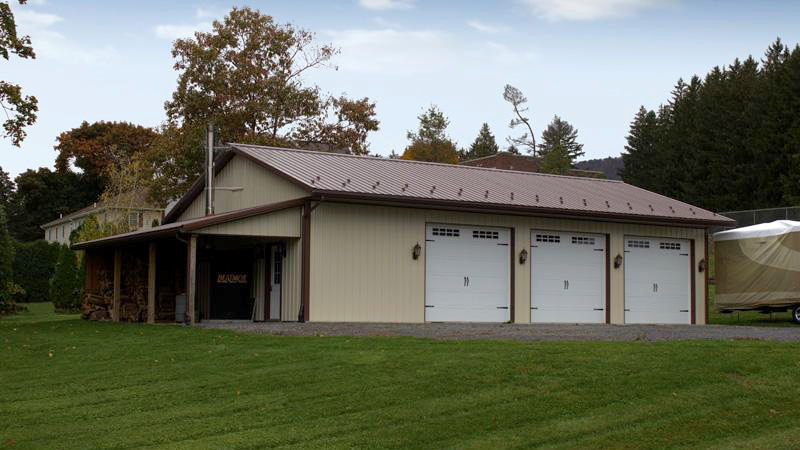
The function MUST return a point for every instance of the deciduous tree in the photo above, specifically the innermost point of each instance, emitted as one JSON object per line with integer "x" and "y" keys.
{"x": 20, "y": 110}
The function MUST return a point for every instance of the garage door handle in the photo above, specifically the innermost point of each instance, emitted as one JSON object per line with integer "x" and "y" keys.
{"x": 655, "y": 287}
{"x": 566, "y": 284}
{"x": 627, "y": 310}
{"x": 534, "y": 307}
{"x": 599, "y": 309}
{"x": 684, "y": 310}
{"x": 502, "y": 307}
{"x": 429, "y": 306}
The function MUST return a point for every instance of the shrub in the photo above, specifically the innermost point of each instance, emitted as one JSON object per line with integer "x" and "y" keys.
{"x": 8, "y": 290}
{"x": 34, "y": 264}
{"x": 65, "y": 291}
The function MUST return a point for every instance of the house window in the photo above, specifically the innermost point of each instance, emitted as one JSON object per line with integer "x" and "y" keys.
{"x": 133, "y": 219}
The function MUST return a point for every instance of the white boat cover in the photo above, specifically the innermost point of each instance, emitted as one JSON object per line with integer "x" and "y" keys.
{"x": 758, "y": 266}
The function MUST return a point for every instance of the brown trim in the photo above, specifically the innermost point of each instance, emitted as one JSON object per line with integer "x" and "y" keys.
{"x": 305, "y": 276}
{"x": 706, "y": 276}
{"x": 512, "y": 292}
{"x": 192, "y": 224}
{"x": 498, "y": 208}
{"x": 608, "y": 278}
{"x": 116, "y": 303}
{"x": 196, "y": 189}
{"x": 692, "y": 269}
{"x": 204, "y": 222}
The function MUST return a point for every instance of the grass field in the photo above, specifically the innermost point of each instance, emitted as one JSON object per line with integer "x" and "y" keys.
{"x": 69, "y": 384}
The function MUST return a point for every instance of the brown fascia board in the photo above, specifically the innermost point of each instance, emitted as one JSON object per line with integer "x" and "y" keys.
{"x": 191, "y": 225}
{"x": 458, "y": 205}
{"x": 204, "y": 222}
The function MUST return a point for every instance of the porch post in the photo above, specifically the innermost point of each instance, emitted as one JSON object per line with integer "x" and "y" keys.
{"x": 191, "y": 276}
{"x": 116, "y": 303}
{"x": 151, "y": 285}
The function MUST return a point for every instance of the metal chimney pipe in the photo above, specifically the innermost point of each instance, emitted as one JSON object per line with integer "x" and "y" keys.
{"x": 210, "y": 170}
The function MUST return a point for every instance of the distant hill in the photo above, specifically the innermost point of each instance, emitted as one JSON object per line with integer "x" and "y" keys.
{"x": 609, "y": 166}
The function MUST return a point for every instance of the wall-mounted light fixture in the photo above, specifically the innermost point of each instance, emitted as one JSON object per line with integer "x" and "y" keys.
{"x": 416, "y": 251}
{"x": 523, "y": 256}
{"x": 618, "y": 261}
{"x": 701, "y": 266}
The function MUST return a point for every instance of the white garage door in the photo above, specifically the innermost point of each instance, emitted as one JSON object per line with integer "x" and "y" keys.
{"x": 467, "y": 277}
{"x": 568, "y": 277}
{"x": 657, "y": 288}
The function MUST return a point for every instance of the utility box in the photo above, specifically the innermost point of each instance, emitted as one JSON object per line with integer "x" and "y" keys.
{"x": 180, "y": 308}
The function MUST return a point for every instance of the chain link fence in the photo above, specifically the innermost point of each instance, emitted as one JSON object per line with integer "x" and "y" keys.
{"x": 755, "y": 216}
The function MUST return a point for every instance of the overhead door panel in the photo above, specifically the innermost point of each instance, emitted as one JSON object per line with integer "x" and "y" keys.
{"x": 657, "y": 280}
{"x": 467, "y": 275}
{"x": 568, "y": 279}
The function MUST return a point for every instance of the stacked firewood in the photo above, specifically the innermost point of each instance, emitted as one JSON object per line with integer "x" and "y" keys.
{"x": 98, "y": 303}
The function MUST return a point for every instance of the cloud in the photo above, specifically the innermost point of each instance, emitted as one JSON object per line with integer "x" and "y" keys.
{"x": 390, "y": 51}
{"x": 49, "y": 43}
{"x": 177, "y": 31}
{"x": 556, "y": 10}
{"x": 485, "y": 27}
{"x": 173, "y": 32}
{"x": 380, "y": 5}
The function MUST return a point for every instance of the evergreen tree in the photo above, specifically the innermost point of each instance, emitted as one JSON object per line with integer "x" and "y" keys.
{"x": 430, "y": 142}
{"x": 484, "y": 145}
{"x": 640, "y": 152}
{"x": 64, "y": 288}
{"x": 7, "y": 286}
{"x": 562, "y": 137}
{"x": 556, "y": 161}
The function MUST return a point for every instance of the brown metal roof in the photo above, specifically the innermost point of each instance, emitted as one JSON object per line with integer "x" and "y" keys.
{"x": 372, "y": 178}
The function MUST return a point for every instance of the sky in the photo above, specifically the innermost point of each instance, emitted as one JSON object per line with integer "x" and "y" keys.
{"x": 592, "y": 62}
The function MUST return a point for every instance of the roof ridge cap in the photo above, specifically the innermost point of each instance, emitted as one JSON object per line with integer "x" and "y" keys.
{"x": 426, "y": 163}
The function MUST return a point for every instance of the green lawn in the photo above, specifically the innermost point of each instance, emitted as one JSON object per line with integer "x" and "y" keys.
{"x": 69, "y": 384}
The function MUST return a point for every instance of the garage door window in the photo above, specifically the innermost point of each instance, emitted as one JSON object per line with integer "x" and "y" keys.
{"x": 638, "y": 244}
{"x": 669, "y": 245}
{"x": 548, "y": 238}
{"x": 482, "y": 234}
{"x": 582, "y": 240}
{"x": 452, "y": 232}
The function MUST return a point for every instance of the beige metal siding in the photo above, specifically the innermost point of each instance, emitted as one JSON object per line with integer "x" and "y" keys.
{"x": 284, "y": 223}
{"x": 259, "y": 187}
{"x": 362, "y": 269}
{"x": 291, "y": 286}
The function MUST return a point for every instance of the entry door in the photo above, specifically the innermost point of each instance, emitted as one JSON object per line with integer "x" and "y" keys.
{"x": 467, "y": 274}
{"x": 657, "y": 286}
{"x": 276, "y": 277}
{"x": 568, "y": 277}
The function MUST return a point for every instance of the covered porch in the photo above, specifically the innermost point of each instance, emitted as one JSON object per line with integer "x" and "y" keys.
{"x": 229, "y": 267}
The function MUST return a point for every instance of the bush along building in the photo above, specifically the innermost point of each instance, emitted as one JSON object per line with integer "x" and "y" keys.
{"x": 295, "y": 235}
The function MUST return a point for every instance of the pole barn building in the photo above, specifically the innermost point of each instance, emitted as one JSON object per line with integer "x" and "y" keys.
{"x": 298, "y": 235}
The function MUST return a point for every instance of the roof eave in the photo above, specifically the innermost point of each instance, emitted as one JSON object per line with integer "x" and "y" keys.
{"x": 518, "y": 209}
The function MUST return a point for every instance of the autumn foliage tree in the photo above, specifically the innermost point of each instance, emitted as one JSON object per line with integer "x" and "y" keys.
{"x": 246, "y": 77}
{"x": 20, "y": 110}
{"x": 430, "y": 142}
{"x": 101, "y": 147}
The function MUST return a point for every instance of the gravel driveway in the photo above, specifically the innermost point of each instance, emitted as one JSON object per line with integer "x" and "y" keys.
{"x": 521, "y": 332}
